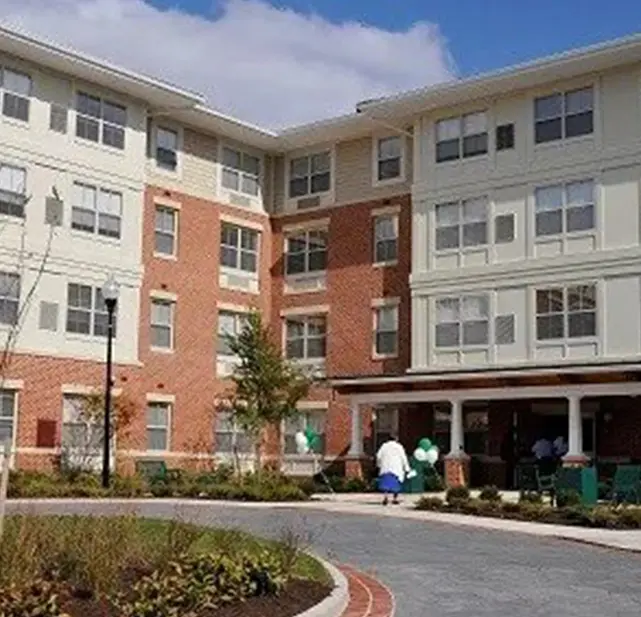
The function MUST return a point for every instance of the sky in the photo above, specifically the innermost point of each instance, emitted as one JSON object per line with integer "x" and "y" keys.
{"x": 282, "y": 62}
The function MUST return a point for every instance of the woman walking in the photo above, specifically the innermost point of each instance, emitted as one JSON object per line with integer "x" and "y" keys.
{"x": 393, "y": 466}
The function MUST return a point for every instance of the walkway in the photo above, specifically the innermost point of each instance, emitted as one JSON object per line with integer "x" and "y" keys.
{"x": 433, "y": 569}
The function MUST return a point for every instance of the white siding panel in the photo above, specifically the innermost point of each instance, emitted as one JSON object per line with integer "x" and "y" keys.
{"x": 622, "y": 316}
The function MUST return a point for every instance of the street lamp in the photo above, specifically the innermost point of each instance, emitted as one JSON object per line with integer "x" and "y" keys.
{"x": 110, "y": 291}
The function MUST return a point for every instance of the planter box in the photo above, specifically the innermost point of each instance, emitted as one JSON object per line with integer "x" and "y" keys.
{"x": 583, "y": 480}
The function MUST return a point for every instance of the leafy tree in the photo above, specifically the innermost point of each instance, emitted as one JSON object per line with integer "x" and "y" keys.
{"x": 266, "y": 386}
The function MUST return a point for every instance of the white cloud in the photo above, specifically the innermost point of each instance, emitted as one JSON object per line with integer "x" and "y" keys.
{"x": 270, "y": 66}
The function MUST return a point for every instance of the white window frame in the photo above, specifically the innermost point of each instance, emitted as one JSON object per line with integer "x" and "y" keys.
{"x": 310, "y": 174}
{"x": 240, "y": 172}
{"x": 9, "y": 92}
{"x": 459, "y": 303}
{"x": 95, "y": 455}
{"x": 463, "y": 134}
{"x": 11, "y": 421}
{"x": 308, "y": 234}
{"x": 157, "y": 427}
{"x": 235, "y": 431}
{"x": 96, "y": 309}
{"x": 566, "y": 313}
{"x": 239, "y": 249}
{"x": 306, "y": 320}
{"x": 101, "y": 122}
{"x": 302, "y": 419}
{"x": 10, "y": 290}
{"x": 164, "y": 232}
{"x": 101, "y": 196}
{"x": 564, "y": 208}
{"x": 163, "y": 167}
{"x": 13, "y": 199}
{"x": 563, "y": 115}
{"x": 171, "y": 326}
{"x": 376, "y": 218}
{"x": 377, "y": 160}
{"x": 463, "y": 222}
{"x": 239, "y": 317}
{"x": 385, "y": 304}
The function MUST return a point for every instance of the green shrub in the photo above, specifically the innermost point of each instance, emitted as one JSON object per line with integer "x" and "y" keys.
{"x": 129, "y": 486}
{"x": 429, "y": 503}
{"x": 490, "y": 493}
{"x": 630, "y": 517}
{"x": 457, "y": 494}
{"x": 433, "y": 482}
{"x": 38, "y": 599}
{"x": 532, "y": 511}
{"x": 575, "y": 515}
{"x": 566, "y": 498}
{"x": 530, "y": 497}
{"x": 604, "y": 517}
{"x": 510, "y": 507}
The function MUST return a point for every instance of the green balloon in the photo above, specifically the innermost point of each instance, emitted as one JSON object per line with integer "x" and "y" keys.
{"x": 312, "y": 438}
{"x": 425, "y": 444}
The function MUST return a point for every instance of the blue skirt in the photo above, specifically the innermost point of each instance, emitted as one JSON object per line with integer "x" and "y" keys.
{"x": 389, "y": 483}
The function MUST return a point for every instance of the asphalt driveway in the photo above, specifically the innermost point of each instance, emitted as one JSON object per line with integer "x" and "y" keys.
{"x": 437, "y": 570}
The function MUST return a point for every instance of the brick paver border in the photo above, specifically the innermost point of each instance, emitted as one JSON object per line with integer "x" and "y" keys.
{"x": 368, "y": 597}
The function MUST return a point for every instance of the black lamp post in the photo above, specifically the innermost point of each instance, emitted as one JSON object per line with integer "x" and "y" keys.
{"x": 110, "y": 291}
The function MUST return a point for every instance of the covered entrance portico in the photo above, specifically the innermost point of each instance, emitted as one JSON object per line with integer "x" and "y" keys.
{"x": 594, "y": 408}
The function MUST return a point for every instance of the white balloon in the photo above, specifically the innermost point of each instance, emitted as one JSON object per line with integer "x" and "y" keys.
{"x": 432, "y": 455}
{"x": 420, "y": 455}
{"x": 302, "y": 445}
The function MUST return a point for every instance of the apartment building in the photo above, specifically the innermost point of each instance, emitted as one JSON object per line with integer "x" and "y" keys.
{"x": 459, "y": 262}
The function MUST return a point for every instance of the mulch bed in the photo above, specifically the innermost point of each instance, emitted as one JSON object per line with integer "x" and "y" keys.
{"x": 298, "y": 596}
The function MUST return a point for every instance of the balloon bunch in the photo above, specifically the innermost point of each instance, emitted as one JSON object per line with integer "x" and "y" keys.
{"x": 426, "y": 452}
{"x": 306, "y": 441}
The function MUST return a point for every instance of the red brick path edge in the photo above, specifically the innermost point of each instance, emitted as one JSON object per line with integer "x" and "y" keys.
{"x": 368, "y": 597}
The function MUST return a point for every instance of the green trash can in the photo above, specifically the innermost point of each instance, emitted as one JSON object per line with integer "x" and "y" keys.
{"x": 583, "y": 480}
{"x": 417, "y": 483}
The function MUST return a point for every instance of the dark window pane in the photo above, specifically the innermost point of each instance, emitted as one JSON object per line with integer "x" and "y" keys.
{"x": 298, "y": 187}
{"x": 447, "y": 150}
{"x": 582, "y": 324}
{"x": 113, "y": 136}
{"x": 504, "y": 228}
{"x": 447, "y": 238}
{"x": 88, "y": 105}
{"x": 320, "y": 183}
{"x": 114, "y": 114}
{"x": 78, "y": 321}
{"x": 504, "y": 329}
{"x": 386, "y": 250}
{"x": 15, "y": 106}
{"x": 248, "y": 261}
{"x": 109, "y": 225}
{"x": 87, "y": 128}
{"x": 474, "y": 145}
{"x": 295, "y": 263}
{"x": 475, "y": 333}
{"x": 447, "y": 335}
{"x": 548, "y": 130}
{"x": 581, "y": 218}
{"x": 579, "y": 124}
{"x": 505, "y": 137}
{"x": 84, "y": 220}
{"x": 549, "y": 327}
{"x": 386, "y": 343}
{"x": 228, "y": 256}
{"x": 389, "y": 169}
{"x": 549, "y": 223}
{"x": 474, "y": 234}
{"x": 317, "y": 261}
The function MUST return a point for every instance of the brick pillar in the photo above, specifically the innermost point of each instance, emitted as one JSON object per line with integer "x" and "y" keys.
{"x": 457, "y": 470}
{"x": 355, "y": 468}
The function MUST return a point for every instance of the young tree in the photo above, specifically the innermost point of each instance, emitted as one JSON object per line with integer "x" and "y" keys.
{"x": 266, "y": 386}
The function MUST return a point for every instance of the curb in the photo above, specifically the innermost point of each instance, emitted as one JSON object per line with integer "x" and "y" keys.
{"x": 336, "y": 603}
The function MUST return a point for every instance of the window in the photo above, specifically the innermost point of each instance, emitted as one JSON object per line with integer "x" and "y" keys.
{"x": 16, "y": 94}
{"x": 305, "y": 338}
{"x": 563, "y": 115}
{"x": 309, "y": 175}
{"x": 389, "y": 158}
{"x": 461, "y": 224}
{"x": 99, "y": 120}
{"x": 228, "y": 437}
{"x": 79, "y": 432}
{"x": 58, "y": 118}
{"x": 505, "y": 137}
{"x": 96, "y": 210}
{"x": 166, "y": 148}
{"x": 385, "y": 238}
{"x": 566, "y": 312}
{"x": 229, "y": 324}
{"x": 9, "y": 298}
{"x": 465, "y": 136}
{"x": 504, "y": 228}
{"x": 162, "y": 324}
{"x": 306, "y": 251}
{"x": 13, "y": 186}
{"x": 87, "y": 311}
{"x": 564, "y": 208}
{"x": 504, "y": 330}
{"x": 7, "y": 411}
{"x": 241, "y": 172}
{"x": 308, "y": 419}
{"x": 461, "y": 322}
{"x": 386, "y": 331}
{"x": 165, "y": 231}
{"x": 238, "y": 248}
{"x": 158, "y": 426}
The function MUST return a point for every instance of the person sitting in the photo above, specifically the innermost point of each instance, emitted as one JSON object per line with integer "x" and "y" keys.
{"x": 393, "y": 466}
{"x": 560, "y": 447}
{"x": 542, "y": 449}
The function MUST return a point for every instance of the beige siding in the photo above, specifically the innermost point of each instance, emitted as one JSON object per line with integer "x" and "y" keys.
{"x": 353, "y": 169}
{"x": 620, "y": 100}
{"x": 279, "y": 183}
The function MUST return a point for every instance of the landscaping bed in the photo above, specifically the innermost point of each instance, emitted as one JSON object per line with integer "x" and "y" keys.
{"x": 567, "y": 511}
{"x": 129, "y": 567}
{"x": 216, "y": 484}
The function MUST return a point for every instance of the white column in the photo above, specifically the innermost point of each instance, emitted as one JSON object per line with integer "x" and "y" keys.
{"x": 456, "y": 429}
{"x": 356, "y": 444}
{"x": 575, "y": 427}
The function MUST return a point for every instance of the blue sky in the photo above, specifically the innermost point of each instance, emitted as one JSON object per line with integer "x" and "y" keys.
{"x": 482, "y": 34}
{"x": 283, "y": 62}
